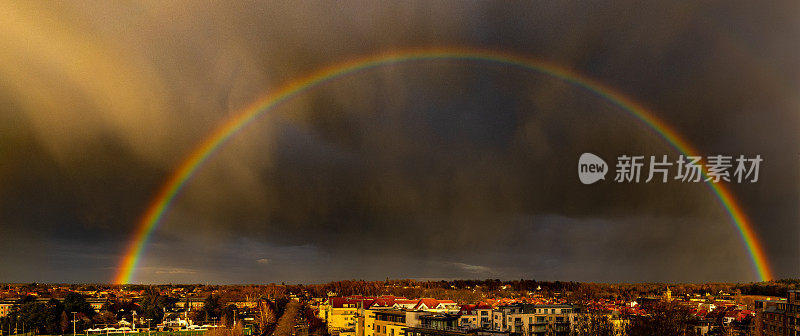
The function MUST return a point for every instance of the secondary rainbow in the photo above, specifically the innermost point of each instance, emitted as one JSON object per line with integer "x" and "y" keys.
{"x": 170, "y": 189}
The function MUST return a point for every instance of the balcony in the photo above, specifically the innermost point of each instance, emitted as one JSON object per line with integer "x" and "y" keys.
{"x": 444, "y": 328}
{"x": 538, "y": 328}
{"x": 562, "y": 328}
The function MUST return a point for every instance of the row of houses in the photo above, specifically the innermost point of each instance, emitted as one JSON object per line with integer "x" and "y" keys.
{"x": 98, "y": 303}
{"x": 398, "y": 316}
{"x": 7, "y": 304}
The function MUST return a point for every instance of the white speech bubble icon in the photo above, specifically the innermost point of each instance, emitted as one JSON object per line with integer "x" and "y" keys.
{"x": 591, "y": 168}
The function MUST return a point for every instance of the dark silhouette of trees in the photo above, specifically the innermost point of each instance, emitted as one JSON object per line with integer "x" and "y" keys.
{"x": 152, "y": 305}
{"x": 663, "y": 319}
{"x": 41, "y": 317}
{"x": 593, "y": 323}
{"x": 212, "y": 308}
{"x": 105, "y": 318}
{"x": 227, "y": 314}
{"x": 75, "y": 302}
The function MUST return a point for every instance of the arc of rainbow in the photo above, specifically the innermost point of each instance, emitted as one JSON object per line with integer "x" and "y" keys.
{"x": 169, "y": 190}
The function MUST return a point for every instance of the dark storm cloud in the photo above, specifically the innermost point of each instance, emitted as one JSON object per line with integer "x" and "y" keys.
{"x": 438, "y": 169}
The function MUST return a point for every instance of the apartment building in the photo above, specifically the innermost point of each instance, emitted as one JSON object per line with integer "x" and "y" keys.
{"x": 341, "y": 314}
{"x": 476, "y": 316}
{"x": 389, "y": 322}
{"x": 779, "y": 317}
{"x": 535, "y": 319}
{"x": 5, "y": 307}
{"x": 448, "y": 325}
{"x": 793, "y": 313}
{"x": 382, "y": 321}
{"x": 345, "y": 314}
{"x": 361, "y": 316}
{"x": 438, "y": 325}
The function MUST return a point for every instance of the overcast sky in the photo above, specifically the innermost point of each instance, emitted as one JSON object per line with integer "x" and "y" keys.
{"x": 430, "y": 170}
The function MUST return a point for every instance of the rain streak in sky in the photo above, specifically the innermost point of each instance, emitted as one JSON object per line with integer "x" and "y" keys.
{"x": 432, "y": 169}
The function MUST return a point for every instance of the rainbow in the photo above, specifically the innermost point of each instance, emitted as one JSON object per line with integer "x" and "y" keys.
{"x": 155, "y": 211}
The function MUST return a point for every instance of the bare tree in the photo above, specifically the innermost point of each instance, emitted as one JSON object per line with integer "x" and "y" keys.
{"x": 64, "y": 323}
{"x": 266, "y": 317}
{"x": 593, "y": 324}
{"x": 288, "y": 320}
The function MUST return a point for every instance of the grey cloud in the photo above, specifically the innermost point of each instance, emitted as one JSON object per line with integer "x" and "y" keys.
{"x": 429, "y": 169}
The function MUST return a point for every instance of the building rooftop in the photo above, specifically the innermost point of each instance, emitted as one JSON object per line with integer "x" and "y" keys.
{"x": 394, "y": 312}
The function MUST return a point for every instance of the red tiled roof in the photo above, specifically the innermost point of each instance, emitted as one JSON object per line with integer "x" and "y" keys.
{"x": 430, "y": 303}
{"x": 466, "y": 309}
{"x": 406, "y": 301}
{"x": 482, "y": 305}
{"x": 384, "y": 302}
{"x": 731, "y": 313}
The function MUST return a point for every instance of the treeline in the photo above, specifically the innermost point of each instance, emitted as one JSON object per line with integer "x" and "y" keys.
{"x": 56, "y": 316}
{"x": 49, "y": 317}
{"x": 470, "y": 291}
{"x": 286, "y": 317}
{"x": 465, "y": 291}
